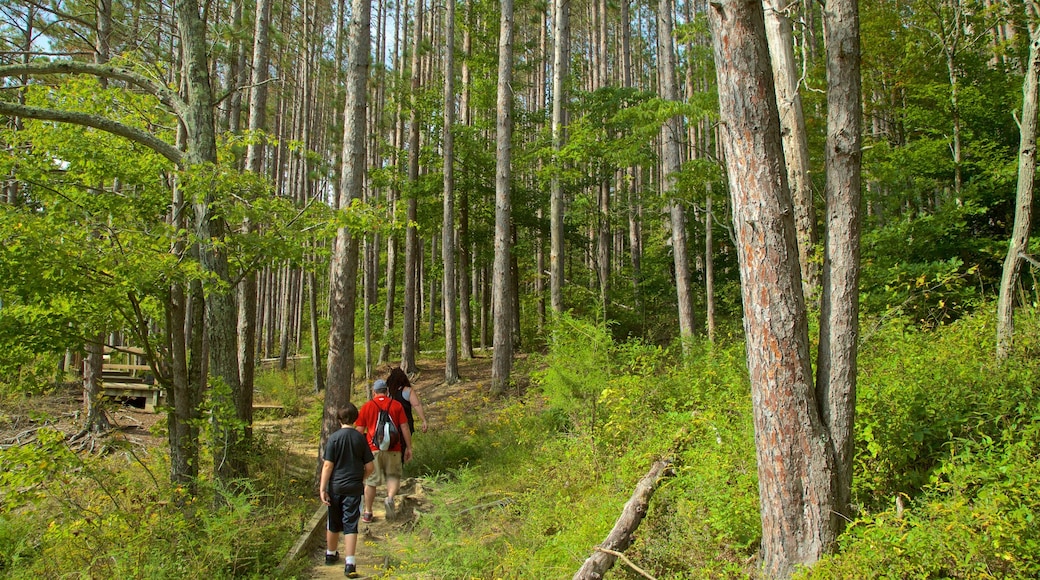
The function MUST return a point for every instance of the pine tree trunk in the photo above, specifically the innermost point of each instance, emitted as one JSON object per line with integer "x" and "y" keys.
{"x": 796, "y": 464}
{"x": 670, "y": 135}
{"x": 795, "y": 139}
{"x": 839, "y": 302}
{"x": 561, "y": 40}
{"x": 340, "y": 373}
{"x": 412, "y": 248}
{"x": 502, "y": 362}
{"x": 451, "y": 350}
{"x": 1019, "y": 243}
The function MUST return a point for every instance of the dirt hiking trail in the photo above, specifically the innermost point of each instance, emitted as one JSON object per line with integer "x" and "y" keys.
{"x": 378, "y": 541}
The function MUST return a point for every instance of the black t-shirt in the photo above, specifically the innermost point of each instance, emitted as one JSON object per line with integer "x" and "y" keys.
{"x": 349, "y": 452}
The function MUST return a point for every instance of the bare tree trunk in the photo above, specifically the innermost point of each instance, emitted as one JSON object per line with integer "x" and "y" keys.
{"x": 221, "y": 313}
{"x": 709, "y": 267}
{"x": 340, "y": 371}
{"x": 670, "y": 136}
{"x": 451, "y": 349}
{"x": 465, "y": 269}
{"x": 502, "y": 363}
{"x": 312, "y": 301}
{"x": 1019, "y": 243}
{"x": 247, "y": 291}
{"x": 795, "y": 140}
{"x": 561, "y": 40}
{"x": 412, "y": 247}
{"x": 839, "y": 304}
{"x": 796, "y": 463}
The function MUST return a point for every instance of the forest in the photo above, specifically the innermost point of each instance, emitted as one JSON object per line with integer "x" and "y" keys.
{"x": 769, "y": 262}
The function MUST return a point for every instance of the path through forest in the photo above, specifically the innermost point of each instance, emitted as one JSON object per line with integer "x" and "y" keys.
{"x": 378, "y": 542}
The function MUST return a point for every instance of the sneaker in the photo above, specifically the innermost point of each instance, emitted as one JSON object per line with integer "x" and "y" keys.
{"x": 366, "y": 517}
{"x": 350, "y": 571}
{"x": 331, "y": 559}
{"x": 391, "y": 509}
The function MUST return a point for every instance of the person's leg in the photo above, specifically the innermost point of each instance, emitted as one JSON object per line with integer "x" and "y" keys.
{"x": 333, "y": 528}
{"x": 393, "y": 471}
{"x": 370, "y": 498}
{"x": 351, "y": 513}
{"x": 349, "y": 545}
{"x": 373, "y": 481}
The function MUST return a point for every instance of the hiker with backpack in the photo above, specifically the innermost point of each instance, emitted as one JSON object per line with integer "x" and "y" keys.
{"x": 385, "y": 425}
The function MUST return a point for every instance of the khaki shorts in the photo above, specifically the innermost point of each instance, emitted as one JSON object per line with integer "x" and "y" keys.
{"x": 388, "y": 466}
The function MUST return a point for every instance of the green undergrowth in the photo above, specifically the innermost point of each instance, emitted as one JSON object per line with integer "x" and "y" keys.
{"x": 526, "y": 487}
{"x": 65, "y": 514}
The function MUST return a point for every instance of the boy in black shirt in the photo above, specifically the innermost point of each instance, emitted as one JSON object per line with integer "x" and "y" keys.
{"x": 348, "y": 462}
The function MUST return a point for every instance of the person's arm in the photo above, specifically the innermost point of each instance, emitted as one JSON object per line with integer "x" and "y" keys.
{"x": 407, "y": 434}
{"x": 326, "y": 475}
{"x": 369, "y": 468}
{"x": 413, "y": 398}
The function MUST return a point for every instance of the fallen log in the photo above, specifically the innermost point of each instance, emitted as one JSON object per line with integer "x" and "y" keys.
{"x": 620, "y": 538}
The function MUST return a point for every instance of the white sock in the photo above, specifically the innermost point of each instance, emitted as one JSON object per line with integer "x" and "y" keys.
{"x": 349, "y": 560}
{"x": 330, "y": 552}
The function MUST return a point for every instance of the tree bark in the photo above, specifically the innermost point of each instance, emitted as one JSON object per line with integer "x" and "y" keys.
{"x": 465, "y": 266}
{"x": 451, "y": 349}
{"x": 793, "y": 134}
{"x": 561, "y": 38}
{"x": 412, "y": 248}
{"x": 247, "y": 290}
{"x": 502, "y": 362}
{"x": 839, "y": 303}
{"x": 221, "y": 312}
{"x": 345, "y": 256}
{"x": 796, "y": 465}
{"x": 1019, "y": 243}
{"x": 670, "y": 135}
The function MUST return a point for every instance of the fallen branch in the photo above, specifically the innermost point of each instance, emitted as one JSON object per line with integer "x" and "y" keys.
{"x": 628, "y": 562}
{"x": 620, "y": 538}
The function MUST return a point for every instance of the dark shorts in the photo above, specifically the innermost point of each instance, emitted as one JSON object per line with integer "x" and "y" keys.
{"x": 344, "y": 512}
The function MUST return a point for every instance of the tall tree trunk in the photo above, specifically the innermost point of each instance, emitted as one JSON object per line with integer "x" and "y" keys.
{"x": 247, "y": 290}
{"x": 839, "y": 303}
{"x": 709, "y": 266}
{"x": 561, "y": 55}
{"x": 671, "y": 133}
{"x": 795, "y": 139}
{"x": 412, "y": 248}
{"x": 1019, "y": 243}
{"x": 312, "y": 302}
{"x": 451, "y": 349}
{"x": 345, "y": 256}
{"x": 220, "y": 318}
{"x": 796, "y": 464}
{"x": 465, "y": 269}
{"x": 502, "y": 362}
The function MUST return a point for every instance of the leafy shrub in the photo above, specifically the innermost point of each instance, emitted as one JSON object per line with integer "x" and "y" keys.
{"x": 976, "y": 519}
{"x": 111, "y": 517}
{"x": 917, "y": 390}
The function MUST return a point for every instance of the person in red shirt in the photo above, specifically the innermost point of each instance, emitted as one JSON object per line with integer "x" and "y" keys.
{"x": 388, "y": 464}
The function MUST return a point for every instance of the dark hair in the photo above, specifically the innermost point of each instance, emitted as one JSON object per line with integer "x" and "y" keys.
{"x": 347, "y": 414}
{"x": 397, "y": 380}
